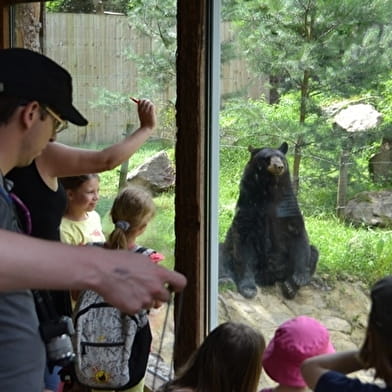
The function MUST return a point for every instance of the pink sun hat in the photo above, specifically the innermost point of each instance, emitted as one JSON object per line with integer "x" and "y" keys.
{"x": 295, "y": 340}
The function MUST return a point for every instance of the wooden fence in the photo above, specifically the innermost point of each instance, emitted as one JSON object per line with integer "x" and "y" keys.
{"x": 92, "y": 47}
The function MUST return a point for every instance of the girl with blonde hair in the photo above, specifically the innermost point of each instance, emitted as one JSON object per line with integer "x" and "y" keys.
{"x": 131, "y": 212}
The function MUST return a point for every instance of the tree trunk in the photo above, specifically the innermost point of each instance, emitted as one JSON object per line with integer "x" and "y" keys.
{"x": 300, "y": 139}
{"x": 309, "y": 20}
{"x": 297, "y": 163}
{"x": 28, "y": 26}
{"x": 273, "y": 90}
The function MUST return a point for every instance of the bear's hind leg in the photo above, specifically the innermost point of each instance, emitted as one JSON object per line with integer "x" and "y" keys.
{"x": 225, "y": 263}
{"x": 244, "y": 273}
{"x": 247, "y": 287}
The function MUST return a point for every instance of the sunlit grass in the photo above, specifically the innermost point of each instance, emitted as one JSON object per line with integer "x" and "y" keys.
{"x": 348, "y": 251}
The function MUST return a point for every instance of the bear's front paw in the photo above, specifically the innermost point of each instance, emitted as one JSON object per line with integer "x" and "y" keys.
{"x": 289, "y": 288}
{"x": 248, "y": 290}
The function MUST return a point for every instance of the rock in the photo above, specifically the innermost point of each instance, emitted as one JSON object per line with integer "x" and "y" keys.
{"x": 370, "y": 208}
{"x": 156, "y": 174}
{"x": 380, "y": 164}
{"x": 357, "y": 118}
{"x": 337, "y": 324}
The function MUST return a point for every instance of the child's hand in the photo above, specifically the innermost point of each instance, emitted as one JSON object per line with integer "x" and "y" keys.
{"x": 156, "y": 257}
{"x": 146, "y": 112}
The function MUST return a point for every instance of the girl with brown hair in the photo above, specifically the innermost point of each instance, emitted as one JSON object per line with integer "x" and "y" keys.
{"x": 229, "y": 360}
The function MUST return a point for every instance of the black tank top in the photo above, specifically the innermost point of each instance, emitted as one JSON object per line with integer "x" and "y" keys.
{"x": 45, "y": 205}
{"x": 46, "y": 209}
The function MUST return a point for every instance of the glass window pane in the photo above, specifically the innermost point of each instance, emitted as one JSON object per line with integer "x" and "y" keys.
{"x": 299, "y": 223}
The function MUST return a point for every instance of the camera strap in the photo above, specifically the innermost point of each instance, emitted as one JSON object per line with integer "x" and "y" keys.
{"x": 47, "y": 315}
{"x": 163, "y": 334}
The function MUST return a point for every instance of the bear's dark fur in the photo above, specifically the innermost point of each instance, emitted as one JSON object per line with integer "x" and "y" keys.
{"x": 267, "y": 240}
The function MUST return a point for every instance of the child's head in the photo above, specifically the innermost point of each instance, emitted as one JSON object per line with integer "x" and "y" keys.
{"x": 229, "y": 359}
{"x": 82, "y": 191}
{"x": 294, "y": 341}
{"x": 376, "y": 351}
{"x": 132, "y": 209}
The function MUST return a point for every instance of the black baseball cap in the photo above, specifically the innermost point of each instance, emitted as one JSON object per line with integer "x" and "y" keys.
{"x": 381, "y": 310}
{"x": 32, "y": 76}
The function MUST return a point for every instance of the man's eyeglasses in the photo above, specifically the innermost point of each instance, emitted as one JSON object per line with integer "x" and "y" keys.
{"x": 59, "y": 124}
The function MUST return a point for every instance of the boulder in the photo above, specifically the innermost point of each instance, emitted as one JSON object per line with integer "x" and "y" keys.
{"x": 358, "y": 118}
{"x": 370, "y": 208}
{"x": 156, "y": 174}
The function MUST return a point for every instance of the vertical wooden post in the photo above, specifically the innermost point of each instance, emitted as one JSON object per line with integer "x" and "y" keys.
{"x": 342, "y": 183}
{"x": 190, "y": 320}
{"x": 124, "y": 166}
{"x": 5, "y": 27}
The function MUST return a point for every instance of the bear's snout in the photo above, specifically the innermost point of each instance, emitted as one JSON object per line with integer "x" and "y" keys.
{"x": 276, "y": 166}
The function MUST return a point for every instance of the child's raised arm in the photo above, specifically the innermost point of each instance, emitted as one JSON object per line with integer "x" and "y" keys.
{"x": 344, "y": 362}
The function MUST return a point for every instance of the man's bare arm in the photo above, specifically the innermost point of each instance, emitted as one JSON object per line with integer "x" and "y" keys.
{"x": 127, "y": 280}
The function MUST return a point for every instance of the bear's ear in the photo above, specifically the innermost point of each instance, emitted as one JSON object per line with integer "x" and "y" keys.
{"x": 253, "y": 151}
{"x": 284, "y": 147}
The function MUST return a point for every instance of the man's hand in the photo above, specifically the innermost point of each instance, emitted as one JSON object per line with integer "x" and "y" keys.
{"x": 131, "y": 282}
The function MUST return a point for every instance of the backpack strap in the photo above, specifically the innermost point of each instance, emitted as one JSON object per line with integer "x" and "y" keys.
{"x": 142, "y": 249}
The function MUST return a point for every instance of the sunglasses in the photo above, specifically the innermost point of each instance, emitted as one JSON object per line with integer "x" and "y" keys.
{"x": 59, "y": 124}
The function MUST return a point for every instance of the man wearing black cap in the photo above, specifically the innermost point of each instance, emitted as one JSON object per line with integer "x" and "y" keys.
{"x": 35, "y": 103}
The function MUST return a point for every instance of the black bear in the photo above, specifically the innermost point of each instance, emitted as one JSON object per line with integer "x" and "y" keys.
{"x": 267, "y": 241}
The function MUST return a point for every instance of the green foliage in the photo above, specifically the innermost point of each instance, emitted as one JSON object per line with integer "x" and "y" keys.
{"x": 81, "y": 6}
{"x": 256, "y": 122}
{"x": 109, "y": 100}
{"x": 341, "y": 44}
{"x": 157, "y": 21}
{"x": 384, "y": 102}
{"x": 86, "y": 6}
{"x": 232, "y": 162}
{"x": 156, "y": 73}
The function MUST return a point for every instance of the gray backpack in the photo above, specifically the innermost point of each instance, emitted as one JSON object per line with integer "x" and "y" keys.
{"x": 111, "y": 348}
